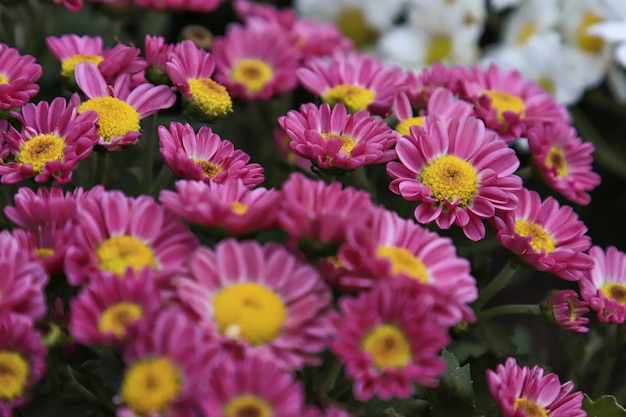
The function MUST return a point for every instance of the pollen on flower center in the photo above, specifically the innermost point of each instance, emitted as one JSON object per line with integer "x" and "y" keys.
{"x": 69, "y": 64}
{"x": 40, "y": 150}
{"x": 116, "y": 117}
{"x": 439, "y": 48}
{"x": 530, "y": 408}
{"x": 403, "y": 262}
{"x": 556, "y": 158}
{"x": 239, "y": 208}
{"x": 248, "y": 405}
{"x": 13, "y": 375}
{"x": 388, "y": 347}
{"x": 450, "y": 178}
{"x": 249, "y": 311}
{"x": 506, "y": 102}
{"x": 3, "y": 79}
{"x": 117, "y": 253}
{"x": 404, "y": 127}
{"x": 587, "y": 42}
{"x": 210, "y": 97}
{"x": 115, "y": 318}
{"x": 43, "y": 253}
{"x": 253, "y": 73}
{"x": 209, "y": 169}
{"x": 150, "y": 385}
{"x": 539, "y": 238}
{"x": 615, "y": 291}
{"x": 347, "y": 143}
{"x": 353, "y": 24}
{"x": 354, "y": 97}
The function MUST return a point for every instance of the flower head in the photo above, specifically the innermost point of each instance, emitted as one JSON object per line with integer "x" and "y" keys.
{"x": 191, "y": 5}
{"x": 18, "y": 75}
{"x": 567, "y": 311}
{"x": 47, "y": 244}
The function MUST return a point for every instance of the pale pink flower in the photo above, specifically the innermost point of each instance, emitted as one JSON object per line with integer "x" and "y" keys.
{"x": 604, "y": 286}
{"x": 18, "y": 75}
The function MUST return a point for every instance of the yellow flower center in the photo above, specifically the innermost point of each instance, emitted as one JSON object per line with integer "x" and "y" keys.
{"x": 248, "y": 405}
{"x": 354, "y": 97}
{"x": 404, "y": 127}
{"x": 3, "y": 79}
{"x": 589, "y": 43}
{"x": 116, "y": 117}
{"x": 615, "y": 291}
{"x": 530, "y": 408}
{"x": 450, "y": 177}
{"x": 556, "y": 158}
{"x": 352, "y": 23}
{"x": 503, "y": 101}
{"x": 439, "y": 48}
{"x": 253, "y": 73}
{"x": 43, "y": 253}
{"x": 150, "y": 385}
{"x": 388, "y": 347}
{"x": 118, "y": 253}
{"x": 403, "y": 262}
{"x": 210, "y": 97}
{"x": 539, "y": 238}
{"x": 209, "y": 169}
{"x": 40, "y": 150}
{"x": 69, "y": 64}
{"x": 547, "y": 84}
{"x": 13, "y": 375}
{"x": 347, "y": 143}
{"x": 239, "y": 208}
{"x": 526, "y": 33}
{"x": 249, "y": 311}
{"x": 115, "y": 318}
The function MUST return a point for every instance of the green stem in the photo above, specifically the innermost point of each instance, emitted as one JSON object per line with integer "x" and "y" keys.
{"x": 610, "y": 357}
{"x": 503, "y": 279}
{"x": 161, "y": 180}
{"x": 330, "y": 379}
{"x": 100, "y": 171}
{"x": 509, "y": 309}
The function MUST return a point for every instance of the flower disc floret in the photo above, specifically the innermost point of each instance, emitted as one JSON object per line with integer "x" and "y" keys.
{"x": 354, "y": 97}
{"x": 150, "y": 385}
{"x": 450, "y": 179}
{"x": 212, "y": 98}
{"x": 40, "y": 150}
{"x": 388, "y": 347}
{"x": 69, "y": 64}
{"x": 14, "y": 372}
{"x": 115, "y": 117}
{"x": 115, "y": 318}
{"x": 253, "y": 73}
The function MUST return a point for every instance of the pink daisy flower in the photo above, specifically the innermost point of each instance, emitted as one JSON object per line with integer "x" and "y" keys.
{"x": 604, "y": 287}
{"x": 119, "y": 107}
{"x": 549, "y": 237}
{"x": 231, "y": 205}
{"x": 157, "y": 53}
{"x": 522, "y": 391}
{"x": 47, "y": 244}
{"x": 104, "y": 309}
{"x": 334, "y": 138}
{"x": 168, "y": 361}
{"x": 115, "y": 232}
{"x": 22, "y": 360}
{"x": 437, "y": 75}
{"x": 255, "y": 62}
{"x": 568, "y": 311}
{"x": 191, "y": 5}
{"x": 260, "y": 299}
{"x": 356, "y": 80}
{"x": 239, "y": 387}
{"x": 205, "y": 156}
{"x": 564, "y": 160}
{"x": 18, "y": 75}
{"x": 388, "y": 341}
{"x": 458, "y": 170}
{"x": 52, "y": 140}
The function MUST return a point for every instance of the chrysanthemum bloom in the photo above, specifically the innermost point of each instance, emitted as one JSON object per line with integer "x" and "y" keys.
{"x": 549, "y": 237}
{"x": 190, "y": 69}
{"x": 191, "y": 5}
{"x": 252, "y": 387}
{"x": 231, "y": 205}
{"x": 157, "y": 53}
{"x": 205, "y": 156}
{"x": 105, "y": 307}
{"x": 119, "y": 108}
{"x": 115, "y": 232}
{"x": 18, "y": 75}
{"x": 22, "y": 360}
{"x": 356, "y": 80}
{"x": 22, "y": 280}
{"x": 388, "y": 341}
{"x": 420, "y": 87}
{"x": 458, "y": 170}
{"x": 604, "y": 287}
{"x": 392, "y": 248}
{"x": 47, "y": 244}
{"x": 564, "y": 160}
{"x": 52, "y": 140}
{"x": 508, "y": 103}
{"x": 567, "y": 311}
{"x": 168, "y": 360}
{"x": 260, "y": 298}
{"x": 256, "y": 62}
{"x": 523, "y": 391}
{"x": 334, "y": 138}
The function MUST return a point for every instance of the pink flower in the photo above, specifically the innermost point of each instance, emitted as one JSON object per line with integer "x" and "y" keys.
{"x": 548, "y": 237}
{"x": 388, "y": 341}
{"x": 157, "y": 51}
{"x": 52, "y": 140}
{"x": 568, "y": 311}
{"x": 604, "y": 286}
{"x": 520, "y": 391}
{"x": 564, "y": 160}
{"x": 205, "y": 156}
{"x": 191, "y": 5}
{"x": 47, "y": 244}
{"x": 459, "y": 171}
{"x": 259, "y": 299}
{"x": 18, "y": 75}
{"x": 333, "y": 138}
{"x": 71, "y": 5}
{"x": 119, "y": 107}
{"x": 420, "y": 87}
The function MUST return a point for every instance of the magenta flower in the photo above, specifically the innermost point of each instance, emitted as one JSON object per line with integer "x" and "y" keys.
{"x": 71, "y": 5}
{"x": 191, "y": 5}
{"x": 604, "y": 286}
{"x": 568, "y": 311}
{"x": 18, "y": 75}
{"x": 47, "y": 244}
{"x": 421, "y": 86}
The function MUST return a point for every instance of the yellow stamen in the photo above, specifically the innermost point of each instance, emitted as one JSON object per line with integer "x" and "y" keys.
{"x": 248, "y": 405}
{"x": 539, "y": 238}
{"x": 209, "y": 169}
{"x": 116, "y": 117}
{"x": 43, "y": 253}
{"x": 353, "y": 24}
{"x": 347, "y": 143}
{"x": 450, "y": 177}
{"x": 388, "y": 347}
{"x": 69, "y": 64}
{"x": 210, "y": 97}
{"x": 253, "y": 73}
{"x": 589, "y": 43}
{"x": 530, "y": 408}
{"x": 439, "y": 48}
{"x": 13, "y": 375}
{"x": 526, "y": 33}
{"x": 403, "y": 262}
{"x": 239, "y": 208}
{"x": 3, "y": 79}
{"x": 505, "y": 102}
{"x": 404, "y": 127}
{"x": 40, "y": 150}
{"x": 115, "y": 318}
{"x": 117, "y": 253}
{"x": 615, "y": 291}
{"x": 354, "y": 97}
{"x": 150, "y": 385}
{"x": 556, "y": 158}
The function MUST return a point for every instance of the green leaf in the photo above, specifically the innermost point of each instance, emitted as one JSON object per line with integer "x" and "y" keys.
{"x": 455, "y": 394}
{"x": 605, "y": 406}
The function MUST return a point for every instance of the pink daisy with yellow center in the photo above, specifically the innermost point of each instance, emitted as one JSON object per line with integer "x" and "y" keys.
{"x": 549, "y": 237}
{"x": 568, "y": 311}
{"x": 437, "y": 75}
{"x": 458, "y": 170}
{"x": 47, "y": 244}
{"x": 18, "y": 75}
